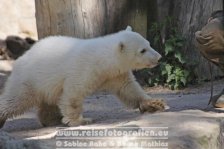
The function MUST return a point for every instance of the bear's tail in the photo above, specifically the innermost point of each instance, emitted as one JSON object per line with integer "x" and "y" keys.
{"x": 10, "y": 108}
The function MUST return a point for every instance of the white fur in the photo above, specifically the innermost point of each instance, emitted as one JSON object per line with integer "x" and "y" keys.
{"x": 128, "y": 28}
{"x": 64, "y": 70}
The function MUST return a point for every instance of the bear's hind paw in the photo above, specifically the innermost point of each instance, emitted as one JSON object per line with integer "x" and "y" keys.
{"x": 152, "y": 105}
{"x": 73, "y": 123}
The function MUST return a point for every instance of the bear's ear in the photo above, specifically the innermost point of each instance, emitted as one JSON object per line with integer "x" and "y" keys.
{"x": 128, "y": 28}
{"x": 121, "y": 47}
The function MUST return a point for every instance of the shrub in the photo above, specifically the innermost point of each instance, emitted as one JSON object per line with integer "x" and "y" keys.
{"x": 175, "y": 70}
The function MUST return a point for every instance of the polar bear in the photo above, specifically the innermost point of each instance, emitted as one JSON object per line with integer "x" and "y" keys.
{"x": 58, "y": 72}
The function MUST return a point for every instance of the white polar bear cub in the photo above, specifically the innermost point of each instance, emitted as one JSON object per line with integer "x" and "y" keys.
{"x": 61, "y": 71}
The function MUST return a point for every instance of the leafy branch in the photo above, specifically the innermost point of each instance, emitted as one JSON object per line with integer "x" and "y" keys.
{"x": 174, "y": 70}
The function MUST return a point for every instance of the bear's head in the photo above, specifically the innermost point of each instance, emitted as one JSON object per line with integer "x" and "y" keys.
{"x": 136, "y": 52}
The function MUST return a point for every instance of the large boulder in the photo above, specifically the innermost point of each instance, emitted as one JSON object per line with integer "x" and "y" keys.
{"x": 9, "y": 142}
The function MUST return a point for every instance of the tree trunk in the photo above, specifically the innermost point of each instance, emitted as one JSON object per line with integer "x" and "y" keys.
{"x": 89, "y": 18}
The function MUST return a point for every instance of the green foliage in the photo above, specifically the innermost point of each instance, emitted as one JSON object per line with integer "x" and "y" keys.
{"x": 175, "y": 70}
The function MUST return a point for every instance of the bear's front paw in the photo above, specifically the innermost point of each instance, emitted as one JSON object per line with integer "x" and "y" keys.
{"x": 152, "y": 105}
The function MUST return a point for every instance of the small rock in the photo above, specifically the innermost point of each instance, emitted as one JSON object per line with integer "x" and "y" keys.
{"x": 16, "y": 46}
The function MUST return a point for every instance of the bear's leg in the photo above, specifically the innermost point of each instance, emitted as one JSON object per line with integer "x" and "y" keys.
{"x": 49, "y": 115}
{"x": 132, "y": 95}
{"x": 11, "y": 107}
{"x": 15, "y": 100}
{"x": 71, "y": 109}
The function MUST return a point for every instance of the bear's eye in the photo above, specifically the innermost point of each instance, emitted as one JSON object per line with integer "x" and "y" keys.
{"x": 143, "y": 51}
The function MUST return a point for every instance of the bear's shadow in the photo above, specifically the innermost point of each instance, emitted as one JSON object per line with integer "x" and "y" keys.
{"x": 107, "y": 109}
{"x": 21, "y": 124}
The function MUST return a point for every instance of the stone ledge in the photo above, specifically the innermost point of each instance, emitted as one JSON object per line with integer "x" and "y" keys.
{"x": 188, "y": 129}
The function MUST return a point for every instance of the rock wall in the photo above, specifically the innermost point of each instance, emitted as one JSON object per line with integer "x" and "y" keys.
{"x": 17, "y": 18}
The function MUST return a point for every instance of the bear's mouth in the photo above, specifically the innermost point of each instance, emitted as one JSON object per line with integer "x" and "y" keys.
{"x": 152, "y": 65}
